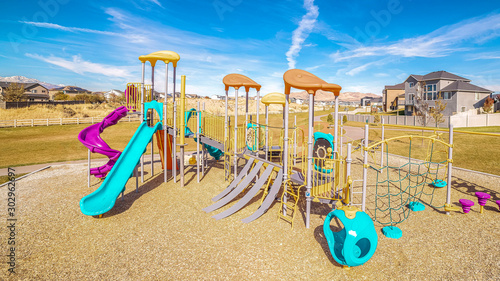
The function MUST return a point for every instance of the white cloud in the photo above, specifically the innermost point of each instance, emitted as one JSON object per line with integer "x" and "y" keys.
{"x": 439, "y": 43}
{"x": 80, "y": 66}
{"x": 300, "y": 34}
{"x": 156, "y": 2}
{"x": 135, "y": 37}
{"x": 485, "y": 56}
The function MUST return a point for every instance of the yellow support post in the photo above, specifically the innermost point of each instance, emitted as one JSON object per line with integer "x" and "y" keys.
{"x": 183, "y": 125}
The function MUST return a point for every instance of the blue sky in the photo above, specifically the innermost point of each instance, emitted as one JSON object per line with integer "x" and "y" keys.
{"x": 360, "y": 45}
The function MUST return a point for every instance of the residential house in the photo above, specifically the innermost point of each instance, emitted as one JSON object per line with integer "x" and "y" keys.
{"x": 68, "y": 90}
{"x": 457, "y": 92}
{"x": 32, "y": 91}
{"x": 111, "y": 93}
{"x": 393, "y": 96}
{"x": 217, "y": 97}
{"x": 370, "y": 101}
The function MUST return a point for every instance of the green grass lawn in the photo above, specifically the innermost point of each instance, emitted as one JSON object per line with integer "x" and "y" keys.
{"x": 4, "y": 179}
{"x": 37, "y": 145}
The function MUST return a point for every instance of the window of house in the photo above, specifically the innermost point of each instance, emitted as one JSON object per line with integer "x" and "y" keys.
{"x": 447, "y": 95}
{"x": 476, "y": 96}
{"x": 430, "y": 92}
{"x": 411, "y": 84}
{"x": 33, "y": 91}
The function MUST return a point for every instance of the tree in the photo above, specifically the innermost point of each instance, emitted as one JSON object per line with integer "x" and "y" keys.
{"x": 15, "y": 92}
{"x": 329, "y": 119}
{"x": 61, "y": 96}
{"x": 421, "y": 106}
{"x": 488, "y": 104}
{"x": 117, "y": 99}
{"x": 437, "y": 112}
{"x": 344, "y": 119}
{"x": 376, "y": 119}
{"x": 90, "y": 98}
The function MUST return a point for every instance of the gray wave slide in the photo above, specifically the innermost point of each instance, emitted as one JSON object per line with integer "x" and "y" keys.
{"x": 244, "y": 183}
{"x": 237, "y": 180}
{"x": 275, "y": 188}
{"x": 248, "y": 196}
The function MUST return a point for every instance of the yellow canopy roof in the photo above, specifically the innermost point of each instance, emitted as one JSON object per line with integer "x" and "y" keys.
{"x": 303, "y": 80}
{"x": 239, "y": 80}
{"x": 274, "y": 98}
{"x": 165, "y": 56}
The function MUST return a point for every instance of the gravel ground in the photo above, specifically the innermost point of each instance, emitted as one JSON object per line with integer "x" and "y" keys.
{"x": 162, "y": 233}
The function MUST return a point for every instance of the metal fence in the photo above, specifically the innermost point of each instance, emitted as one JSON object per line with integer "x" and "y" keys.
{"x": 457, "y": 120}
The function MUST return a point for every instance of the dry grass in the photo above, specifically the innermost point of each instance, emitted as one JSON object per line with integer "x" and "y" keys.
{"x": 50, "y": 111}
{"x": 161, "y": 233}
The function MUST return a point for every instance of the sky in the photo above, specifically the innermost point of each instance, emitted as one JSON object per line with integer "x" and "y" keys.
{"x": 358, "y": 44}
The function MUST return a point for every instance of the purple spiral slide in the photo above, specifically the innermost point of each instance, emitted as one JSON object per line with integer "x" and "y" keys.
{"x": 91, "y": 138}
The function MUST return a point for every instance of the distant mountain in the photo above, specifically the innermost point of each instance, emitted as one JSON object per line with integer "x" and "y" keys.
{"x": 328, "y": 96}
{"x": 22, "y": 79}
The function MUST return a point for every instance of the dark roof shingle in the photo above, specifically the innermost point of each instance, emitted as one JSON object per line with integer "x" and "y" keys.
{"x": 400, "y": 86}
{"x": 464, "y": 86}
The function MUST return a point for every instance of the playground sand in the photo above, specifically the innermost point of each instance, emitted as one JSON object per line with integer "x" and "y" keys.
{"x": 162, "y": 233}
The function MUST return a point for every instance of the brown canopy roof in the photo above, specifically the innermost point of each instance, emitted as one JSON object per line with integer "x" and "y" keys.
{"x": 303, "y": 80}
{"x": 239, "y": 80}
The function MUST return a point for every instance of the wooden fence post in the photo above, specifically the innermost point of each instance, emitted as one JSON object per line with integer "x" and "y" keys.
{"x": 92, "y": 120}
{"x": 32, "y": 123}
{"x": 47, "y": 121}
{"x": 60, "y": 122}
{"x": 15, "y": 123}
{"x": 77, "y": 121}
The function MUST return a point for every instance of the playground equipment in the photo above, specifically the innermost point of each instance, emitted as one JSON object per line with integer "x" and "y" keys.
{"x": 303, "y": 80}
{"x": 482, "y": 198}
{"x": 133, "y": 96}
{"x": 103, "y": 199}
{"x": 249, "y": 177}
{"x": 404, "y": 185}
{"x": 91, "y": 138}
{"x": 466, "y": 205}
{"x": 356, "y": 242}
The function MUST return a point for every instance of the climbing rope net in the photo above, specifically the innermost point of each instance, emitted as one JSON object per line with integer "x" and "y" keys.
{"x": 403, "y": 180}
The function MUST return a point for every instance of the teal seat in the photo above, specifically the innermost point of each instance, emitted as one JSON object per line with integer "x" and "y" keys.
{"x": 356, "y": 243}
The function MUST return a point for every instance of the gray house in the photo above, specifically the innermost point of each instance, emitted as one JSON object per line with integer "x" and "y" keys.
{"x": 32, "y": 91}
{"x": 457, "y": 92}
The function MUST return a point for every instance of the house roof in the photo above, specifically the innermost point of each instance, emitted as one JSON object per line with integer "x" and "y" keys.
{"x": 400, "y": 86}
{"x": 436, "y": 75}
{"x": 464, "y": 86}
{"x": 71, "y": 89}
{"x": 27, "y": 86}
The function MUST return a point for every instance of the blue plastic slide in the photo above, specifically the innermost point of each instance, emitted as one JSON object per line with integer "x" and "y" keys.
{"x": 103, "y": 199}
{"x": 214, "y": 152}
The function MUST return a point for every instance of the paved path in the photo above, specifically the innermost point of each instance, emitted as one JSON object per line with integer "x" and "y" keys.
{"x": 351, "y": 133}
{"x": 31, "y": 168}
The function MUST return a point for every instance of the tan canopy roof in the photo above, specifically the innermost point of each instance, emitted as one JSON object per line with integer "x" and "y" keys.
{"x": 239, "y": 80}
{"x": 165, "y": 56}
{"x": 303, "y": 80}
{"x": 274, "y": 98}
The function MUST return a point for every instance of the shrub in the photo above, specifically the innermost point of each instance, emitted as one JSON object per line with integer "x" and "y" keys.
{"x": 61, "y": 96}
{"x": 68, "y": 112}
{"x": 344, "y": 119}
{"x": 488, "y": 104}
{"x": 329, "y": 119}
